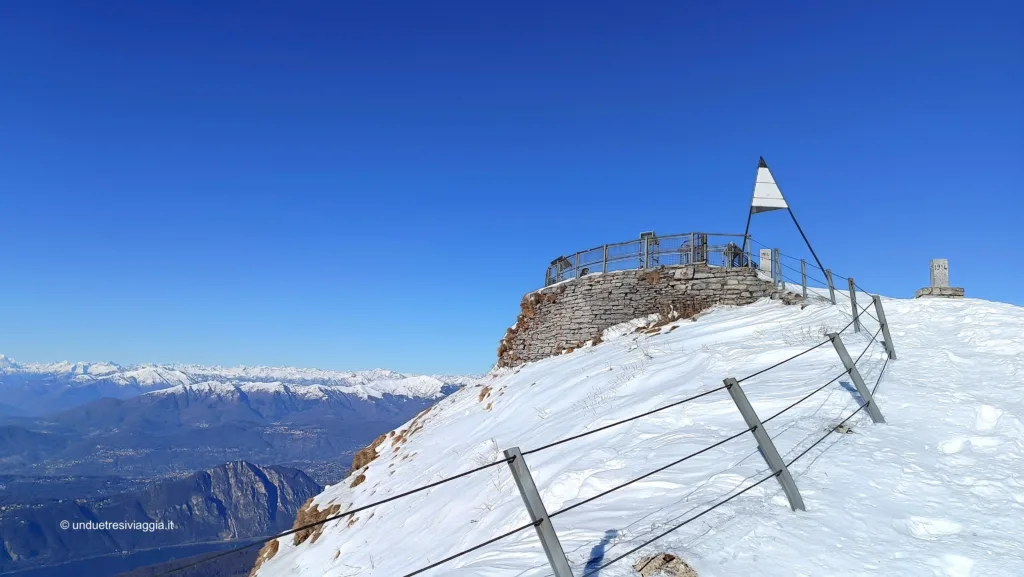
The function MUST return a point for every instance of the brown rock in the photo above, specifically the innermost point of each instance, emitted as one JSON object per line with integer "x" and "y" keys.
{"x": 663, "y": 565}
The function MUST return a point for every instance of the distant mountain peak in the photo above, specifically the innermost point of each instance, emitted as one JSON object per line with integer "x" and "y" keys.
{"x": 7, "y": 362}
{"x": 38, "y": 388}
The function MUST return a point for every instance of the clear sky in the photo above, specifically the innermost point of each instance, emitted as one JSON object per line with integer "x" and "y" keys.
{"x": 359, "y": 184}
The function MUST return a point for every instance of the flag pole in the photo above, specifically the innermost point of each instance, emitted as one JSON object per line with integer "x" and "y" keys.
{"x": 746, "y": 234}
{"x": 771, "y": 199}
{"x": 793, "y": 216}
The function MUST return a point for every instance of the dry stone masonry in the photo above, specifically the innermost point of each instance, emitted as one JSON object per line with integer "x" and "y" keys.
{"x": 565, "y": 316}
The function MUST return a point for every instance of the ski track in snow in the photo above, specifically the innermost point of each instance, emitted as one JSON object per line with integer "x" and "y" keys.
{"x": 937, "y": 491}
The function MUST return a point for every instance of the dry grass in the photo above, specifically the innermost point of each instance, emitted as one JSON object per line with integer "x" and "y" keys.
{"x": 310, "y": 513}
{"x": 367, "y": 454}
{"x": 414, "y": 427}
{"x": 266, "y": 554}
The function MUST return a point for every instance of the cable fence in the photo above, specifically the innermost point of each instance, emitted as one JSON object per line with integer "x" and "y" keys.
{"x": 540, "y": 519}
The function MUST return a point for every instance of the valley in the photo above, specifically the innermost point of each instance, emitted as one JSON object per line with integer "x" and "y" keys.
{"x": 225, "y": 454}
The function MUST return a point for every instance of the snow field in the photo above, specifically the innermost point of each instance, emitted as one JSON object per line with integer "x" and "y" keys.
{"x": 938, "y": 490}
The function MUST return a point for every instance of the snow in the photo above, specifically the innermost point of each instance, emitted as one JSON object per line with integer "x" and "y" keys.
{"x": 373, "y": 383}
{"x": 937, "y": 491}
{"x": 7, "y": 363}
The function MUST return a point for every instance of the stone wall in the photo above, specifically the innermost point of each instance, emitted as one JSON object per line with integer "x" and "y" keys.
{"x": 565, "y": 316}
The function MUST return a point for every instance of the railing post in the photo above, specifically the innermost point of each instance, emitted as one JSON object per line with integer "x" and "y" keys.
{"x": 777, "y": 267}
{"x": 889, "y": 347}
{"x": 858, "y": 382}
{"x": 604, "y": 267}
{"x": 538, "y": 514}
{"x": 831, "y": 287}
{"x": 691, "y": 249}
{"x": 853, "y": 304}
{"x": 803, "y": 280}
{"x": 764, "y": 442}
{"x": 576, "y": 266}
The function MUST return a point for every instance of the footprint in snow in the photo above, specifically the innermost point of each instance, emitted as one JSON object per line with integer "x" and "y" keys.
{"x": 928, "y": 529}
{"x": 977, "y": 444}
{"x": 986, "y": 417}
{"x": 954, "y": 565}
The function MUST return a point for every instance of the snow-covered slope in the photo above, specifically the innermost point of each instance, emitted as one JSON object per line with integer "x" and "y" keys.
{"x": 938, "y": 490}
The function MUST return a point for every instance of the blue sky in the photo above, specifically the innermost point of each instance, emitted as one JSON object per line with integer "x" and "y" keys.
{"x": 350, "y": 185}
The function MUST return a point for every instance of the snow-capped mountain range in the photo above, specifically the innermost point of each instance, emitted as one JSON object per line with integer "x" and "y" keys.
{"x": 36, "y": 388}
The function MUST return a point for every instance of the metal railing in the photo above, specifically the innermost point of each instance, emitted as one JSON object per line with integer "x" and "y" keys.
{"x": 652, "y": 251}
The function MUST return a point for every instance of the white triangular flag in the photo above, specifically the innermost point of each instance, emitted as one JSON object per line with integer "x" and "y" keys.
{"x": 767, "y": 195}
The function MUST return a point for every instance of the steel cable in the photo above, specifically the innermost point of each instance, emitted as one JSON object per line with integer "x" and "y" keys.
{"x": 335, "y": 517}
{"x": 616, "y": 423}
{"x": 843, "y": 422}
{"x": 474, "y": 548}
{"x": 871, "y": 342}
{"x": 597, "y": 570}
{"x": 832, "y": 430}
{"x": 805, "y": 397}
{"x": 783, "y": 362}
{"x": 879, "y": 379}
{"x": 644, "y": 476}
{"x": 809, "y": 277}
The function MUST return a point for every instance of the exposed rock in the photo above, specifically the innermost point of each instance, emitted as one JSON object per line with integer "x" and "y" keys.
{"x": 237, "y": 500}
{"x": 663, "y": 565}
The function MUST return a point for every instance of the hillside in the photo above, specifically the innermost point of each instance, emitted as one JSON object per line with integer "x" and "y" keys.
{"x": 310, "y": 426}
{"x": 233, "y": 501}
{"x": 935, "y": 491}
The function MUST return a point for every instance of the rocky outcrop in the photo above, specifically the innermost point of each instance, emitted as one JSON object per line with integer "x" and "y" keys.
{"x": 567, "y": 315}
{"x": 237, "y": 500}
{"x": 663, "y": 565}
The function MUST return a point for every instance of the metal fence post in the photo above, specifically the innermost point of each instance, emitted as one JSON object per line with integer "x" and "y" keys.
{"x": 538, "y": 514}
{"x": 858, "y": 382}
{"x": 803, "y": 279}
{"x": 768, "y": 451}
{"x": 853, "y": 305}
{"x": 889, "y": 347}
{"x": 691, "y": 249}
{"x": 576, "y": 266}
{"x": 831, "y": 287}
{"x": 777, "y": 267}
{"x": 604, "y": 267}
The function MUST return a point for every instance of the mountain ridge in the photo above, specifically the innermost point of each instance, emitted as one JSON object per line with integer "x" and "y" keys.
{"x": 235, "y": 500}
{"x": 34, "y": 389}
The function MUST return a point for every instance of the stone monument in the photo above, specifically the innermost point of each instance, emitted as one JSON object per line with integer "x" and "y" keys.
{"x": 765, "y": 260}
{"x": 940, "y": 282}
